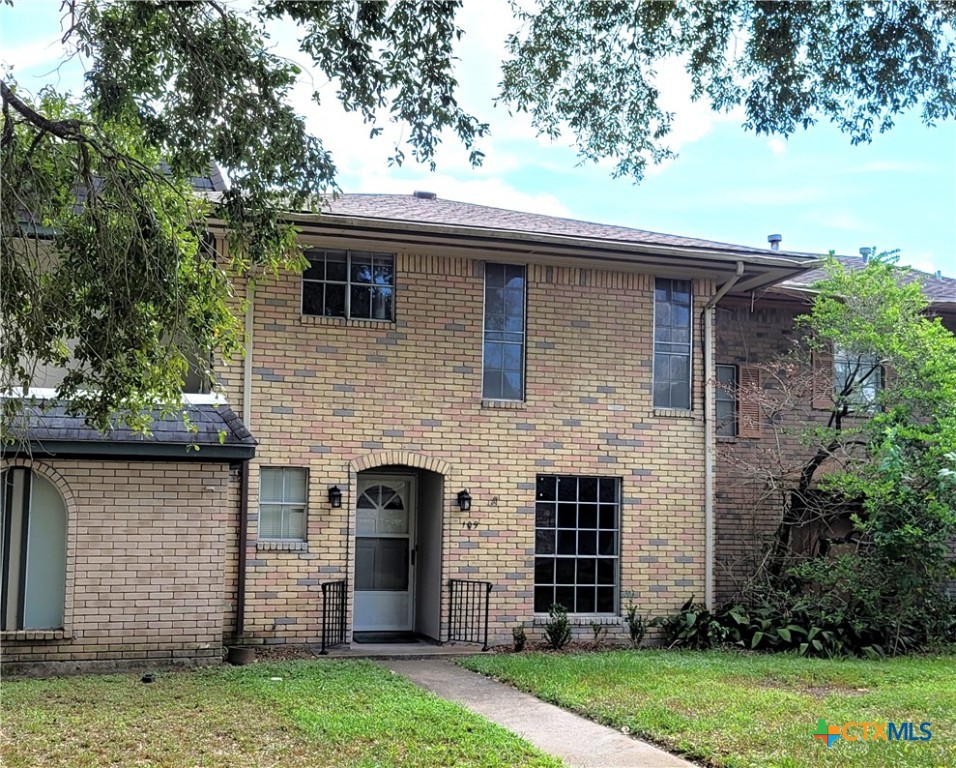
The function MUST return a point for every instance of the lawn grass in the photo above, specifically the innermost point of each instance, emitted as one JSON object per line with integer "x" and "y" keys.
{"x": 737, "y": 710}
{"x": 321, "y": 713}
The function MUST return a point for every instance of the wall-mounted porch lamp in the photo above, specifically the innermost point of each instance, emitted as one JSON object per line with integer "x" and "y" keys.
{"x": 335, "y": 496}
{"x": 464, "y": 501}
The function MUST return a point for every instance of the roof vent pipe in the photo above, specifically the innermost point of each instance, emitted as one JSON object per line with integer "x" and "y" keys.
{"x": 939, "y": 274}
{"x": 422, "y": 195}
{"x": 774, "y": 241}
{"x": 866, "y": 253}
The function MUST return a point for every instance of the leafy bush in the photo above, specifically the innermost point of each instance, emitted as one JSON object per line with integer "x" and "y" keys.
{"x": 636, "y": 624}
{"x": 520, "y": 637}
{"x": 557, "y": 631}
{"x": 807, "y": 628}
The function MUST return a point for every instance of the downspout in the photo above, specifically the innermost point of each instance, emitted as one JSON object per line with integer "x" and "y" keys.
{"x": 244, "y": 468}
{"x": 709, "y": 436}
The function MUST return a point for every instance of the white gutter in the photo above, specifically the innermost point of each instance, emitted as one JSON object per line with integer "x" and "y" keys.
{"x": 710, "y": 437}
{"x": 247, "y": 362}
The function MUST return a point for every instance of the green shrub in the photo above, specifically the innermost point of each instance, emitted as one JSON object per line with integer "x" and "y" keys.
{"x": 520, "y": 638}
{"x": 636, "y": 624}
{"x": 557, "y": 631}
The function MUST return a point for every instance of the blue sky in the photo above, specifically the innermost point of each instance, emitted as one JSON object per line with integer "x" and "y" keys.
{"x": 816, "y": 189}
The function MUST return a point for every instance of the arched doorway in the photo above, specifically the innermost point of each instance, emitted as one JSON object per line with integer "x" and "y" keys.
{"x": 398, "y": 551}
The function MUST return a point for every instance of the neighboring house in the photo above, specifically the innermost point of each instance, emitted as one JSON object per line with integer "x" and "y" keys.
{"x": 116, "y": 548}
{"x": 754, "y": 328}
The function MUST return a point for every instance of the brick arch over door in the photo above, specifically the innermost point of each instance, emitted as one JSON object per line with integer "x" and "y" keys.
{"x": 402, "y": 458}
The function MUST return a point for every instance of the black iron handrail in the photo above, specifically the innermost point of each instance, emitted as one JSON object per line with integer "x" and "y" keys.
{"x": 333, "y": 614}
{"x": 468, "y": 615}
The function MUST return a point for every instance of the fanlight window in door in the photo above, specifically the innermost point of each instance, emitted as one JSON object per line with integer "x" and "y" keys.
{"x": 381, "y": 547}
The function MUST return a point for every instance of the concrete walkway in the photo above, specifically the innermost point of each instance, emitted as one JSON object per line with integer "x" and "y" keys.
{"x": 581, "y": 743}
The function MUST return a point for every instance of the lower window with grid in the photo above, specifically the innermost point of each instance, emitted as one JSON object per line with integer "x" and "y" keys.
{"x": 577, "y": 531}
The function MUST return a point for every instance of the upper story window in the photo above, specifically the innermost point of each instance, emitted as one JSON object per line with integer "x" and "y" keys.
{"x": 359, "y": 285}
{"x": 857, "y": 379}
{"x": 726, "y": 401}
{"x": 672, "y": 343}
{"x": 282, "y": 503}
{"x": 504, "y": 336}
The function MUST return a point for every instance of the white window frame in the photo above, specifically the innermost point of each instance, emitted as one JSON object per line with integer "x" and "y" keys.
{"x": 286, "y": 506}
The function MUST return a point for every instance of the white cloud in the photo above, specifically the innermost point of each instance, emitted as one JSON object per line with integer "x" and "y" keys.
{"x": 777, "y": 145}
{"x": 841, "y": 219}
{"x": 891, "y": 166}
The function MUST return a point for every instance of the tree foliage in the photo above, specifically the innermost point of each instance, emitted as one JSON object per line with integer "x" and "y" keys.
{"x": 868, "y": 496}
{"x": 119, "y": 291}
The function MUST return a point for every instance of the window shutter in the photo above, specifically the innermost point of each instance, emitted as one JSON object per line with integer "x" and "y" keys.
{"x": 748, "y": 402}
{"x": 822, "y": 362}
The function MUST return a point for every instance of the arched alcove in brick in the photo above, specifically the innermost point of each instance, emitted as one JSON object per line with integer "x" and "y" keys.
{"x": 399, "y": 458}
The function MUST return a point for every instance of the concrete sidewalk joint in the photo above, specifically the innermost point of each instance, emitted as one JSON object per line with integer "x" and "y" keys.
{"x": 579, "y": 742}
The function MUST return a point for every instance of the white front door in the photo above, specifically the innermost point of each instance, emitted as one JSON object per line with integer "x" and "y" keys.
{"x": 384, "y": 554}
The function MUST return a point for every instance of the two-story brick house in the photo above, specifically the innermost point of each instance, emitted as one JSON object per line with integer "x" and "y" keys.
{"x": 551, "y": 371}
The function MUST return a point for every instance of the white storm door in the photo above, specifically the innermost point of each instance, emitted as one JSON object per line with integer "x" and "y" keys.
{"x": 384, "y": 547}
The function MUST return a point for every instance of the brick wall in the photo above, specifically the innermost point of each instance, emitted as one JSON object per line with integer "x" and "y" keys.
{"x": 746, "y": 515}
{"x": 146, "y": 545}
{"x": 337, "y": 396}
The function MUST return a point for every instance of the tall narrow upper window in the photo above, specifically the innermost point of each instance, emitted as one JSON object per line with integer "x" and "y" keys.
{"x": 282, "y": 503}
{"x": 354, "y": 284}
{"x": 672, "y": 349}
{"x": 726, "y": 400}
{"x": 504, "y": 340}
{"x": 34, "y": 551}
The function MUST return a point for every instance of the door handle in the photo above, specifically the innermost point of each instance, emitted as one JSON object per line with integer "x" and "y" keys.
{"x": 413, "y": 553}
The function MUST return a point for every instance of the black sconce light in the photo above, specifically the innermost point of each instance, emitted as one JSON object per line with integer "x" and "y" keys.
{"x": 335, "y": 496}
{"x": 464, "y": 501}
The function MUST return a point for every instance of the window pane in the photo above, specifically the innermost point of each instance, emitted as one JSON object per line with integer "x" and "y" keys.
{"x": 512, "y": 388}
{"x": 270, "y": 521}
{"x": 336, "y": 266}
{"x": 492, "y": 384}
{"x": 544, "y": 542}
{"x": 567, "y": 515}
{"x": 547, "y": 488}
{"x": 316, "y": 268}
{"x": 334, "y": 300}
{"x": 294, "y": 486}
{"x": 585, "y": 601}
{"x": 544, "y": 515}
{"x": 381, "y": 303}
{"x": 587, "y": 542}
{"x": 587, "y": 516}
{"x": 564, "y": 596}
{"x": 544, "y": 570}
{"x": 543, "y": 598}
{"x": 586, "y": 570}
{"x": 360, "y": 270}
{"x": 270, "y": 484}
{"x": 312, "y": 298}
{"x": 494, "y": 355}
{"x": 567, "y": 542}
{"x": 564, "y": 570}
{"x": 361, "y": 302}
{"x": 605, "y": 600}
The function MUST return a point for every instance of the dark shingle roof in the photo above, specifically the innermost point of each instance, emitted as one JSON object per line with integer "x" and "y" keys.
{"x": 422, "y": 210}
{"x": 939, "y": 290}
{"x": 219, "y": 434}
